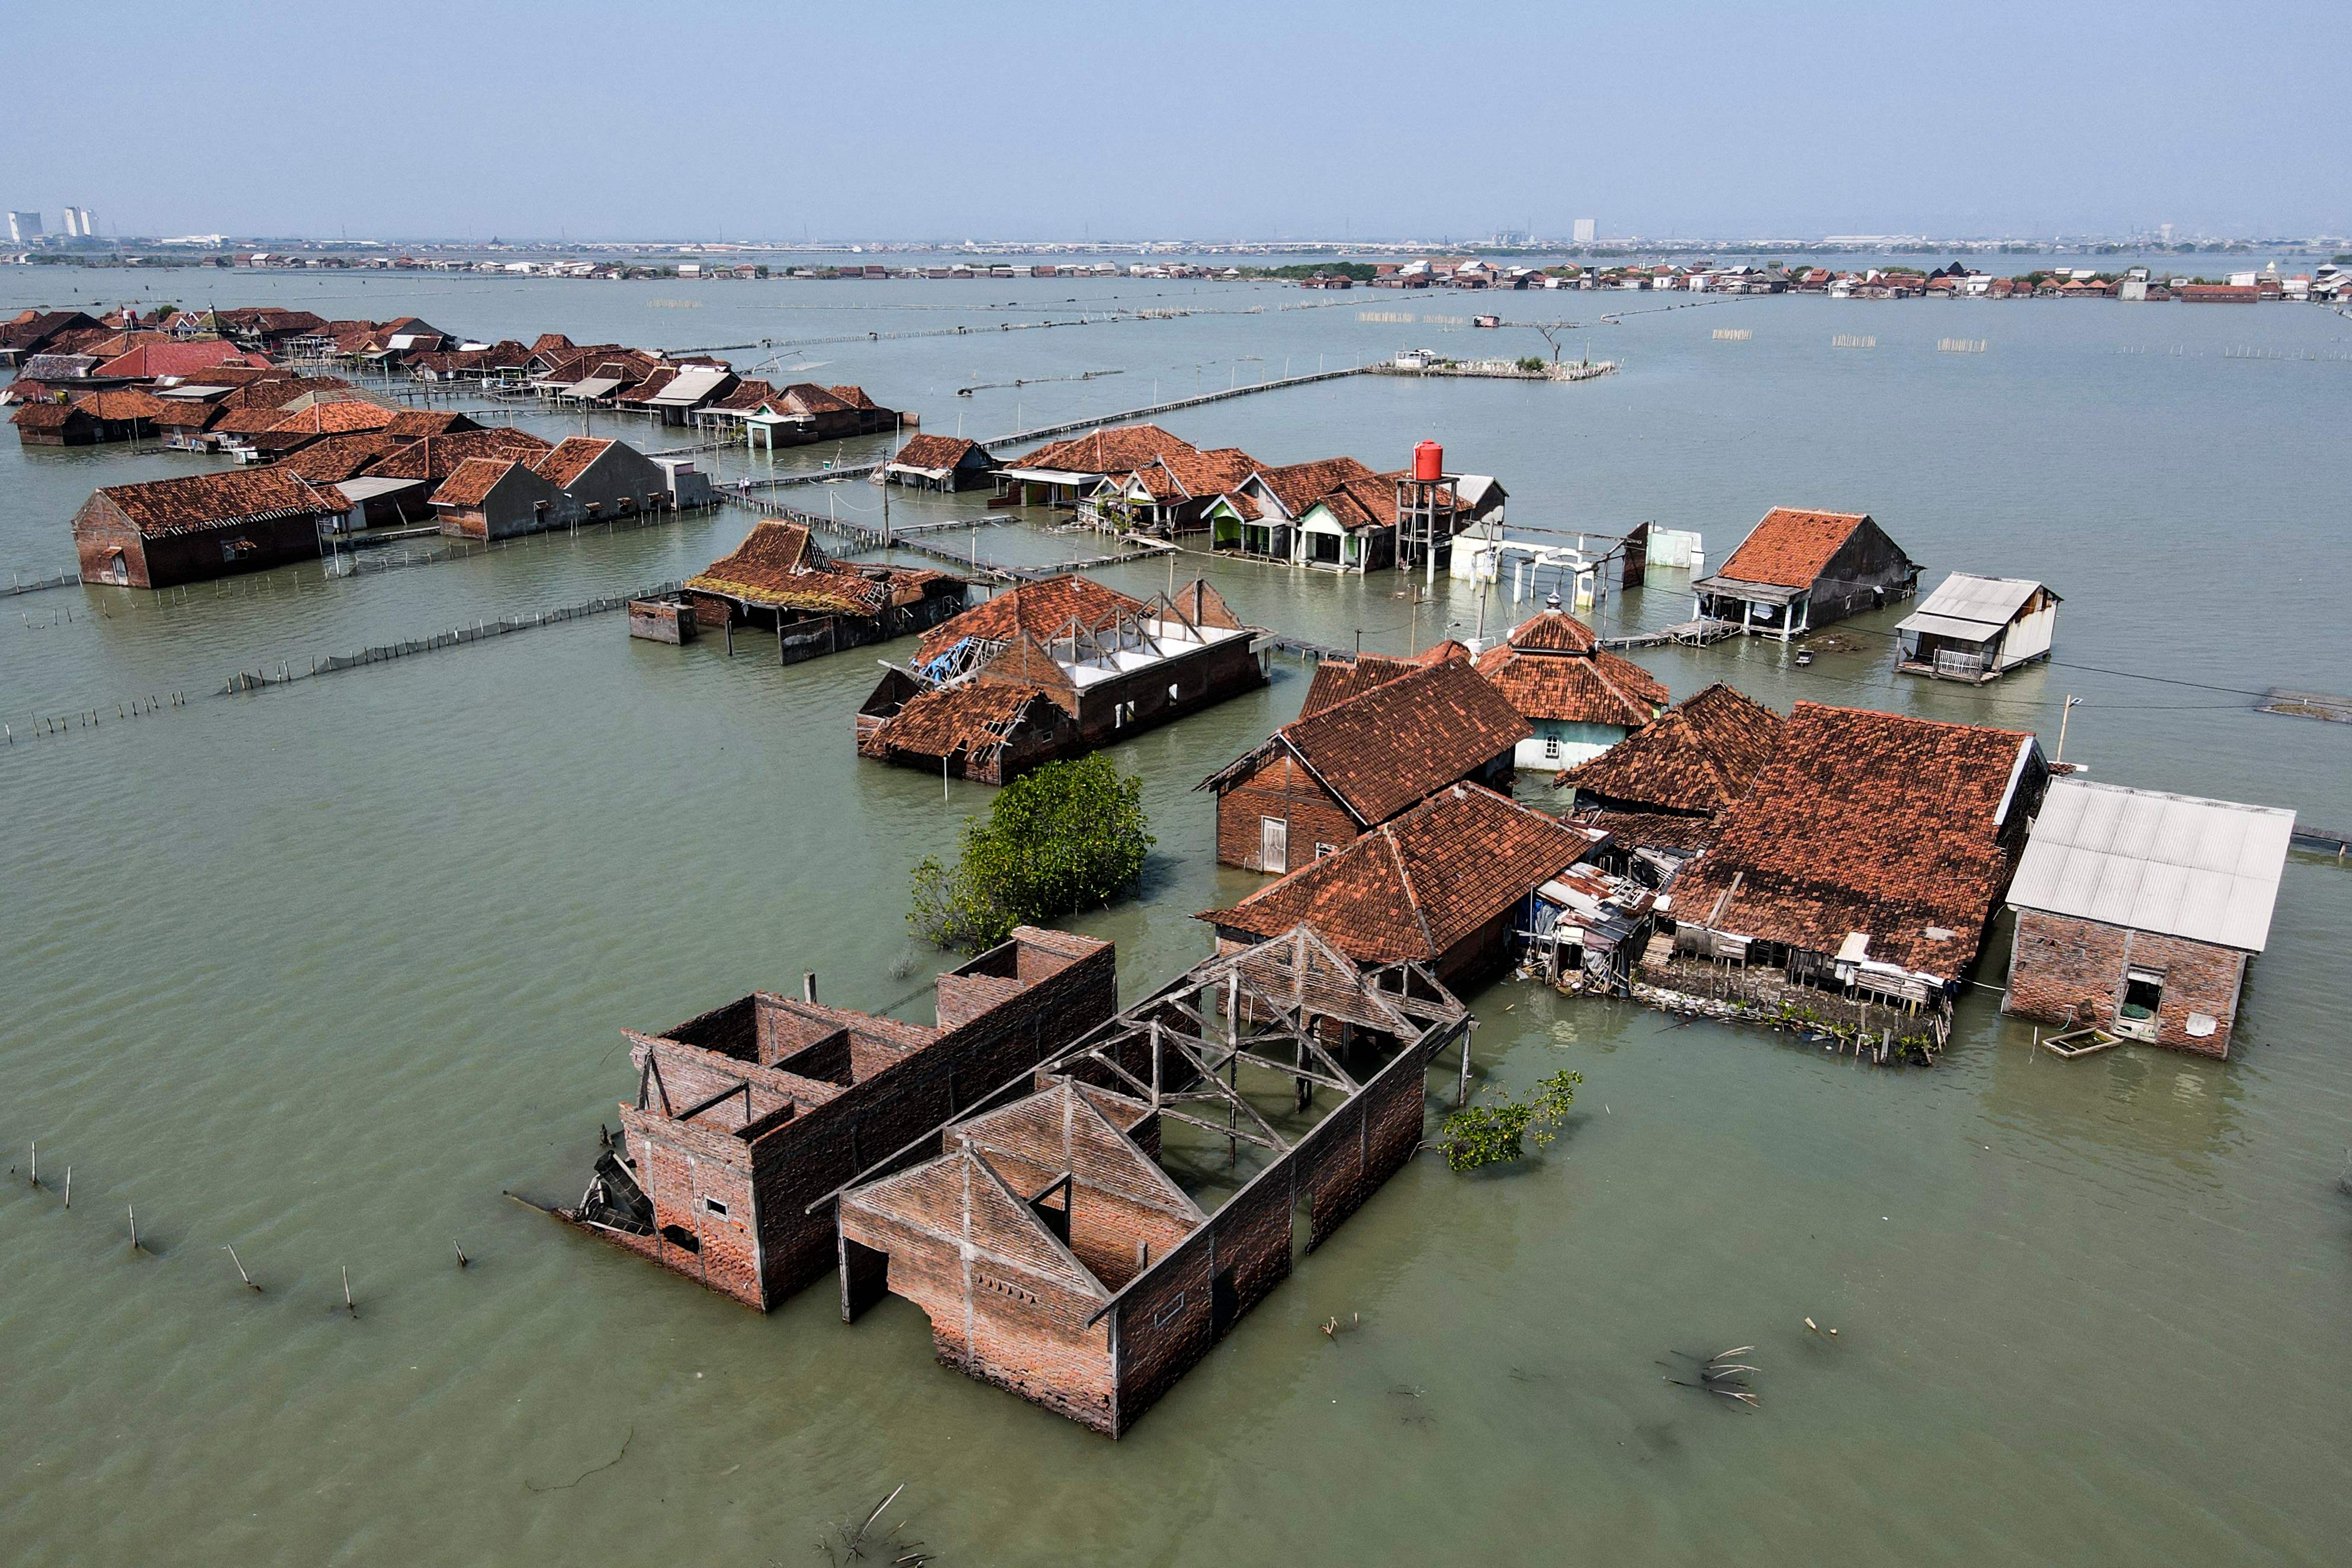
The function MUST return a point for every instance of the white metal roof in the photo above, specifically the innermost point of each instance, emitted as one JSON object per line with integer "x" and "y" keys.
{"x": 690, "y": 386}
{"x": 594, "y": 387}
{"x": 1933, "y": 624}
{"x": 366, "y": 489}
{"x": 2172, "y": 864}
{"x": 1964, "y": 596}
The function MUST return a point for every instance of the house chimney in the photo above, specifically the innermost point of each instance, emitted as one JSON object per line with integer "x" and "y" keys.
{"x": 808, "y": 986}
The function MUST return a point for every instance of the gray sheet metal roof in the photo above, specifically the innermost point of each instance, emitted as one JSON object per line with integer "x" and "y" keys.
{"x": 1946, "y": 626}
{"x": 1964, "y": 596}
{"x": 690, "y": 386}
{"x": 366, "y": 489}
{"x": 594, "y": 387}
{"x": 2172, "y": 864}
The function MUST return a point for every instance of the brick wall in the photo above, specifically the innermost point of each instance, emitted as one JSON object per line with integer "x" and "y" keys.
{"x": 2067, "y": 971}
{"x": 1200, "y": 679}
{"x": 1281, "y": 789}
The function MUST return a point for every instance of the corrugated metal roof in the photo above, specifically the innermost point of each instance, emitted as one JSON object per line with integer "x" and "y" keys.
{"x": 690, "y": 386}
{"x": 594, "y": 387}
{"x": 1964, "y": 596}
{"x": 1946, "y": 626}
{"x": 2173, "y": 863}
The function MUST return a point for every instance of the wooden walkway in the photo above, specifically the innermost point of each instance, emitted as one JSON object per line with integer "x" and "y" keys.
{"x": 1688, "y": 633}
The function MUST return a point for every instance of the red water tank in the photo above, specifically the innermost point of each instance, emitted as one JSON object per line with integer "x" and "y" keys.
{"x": 1429, "y": 461}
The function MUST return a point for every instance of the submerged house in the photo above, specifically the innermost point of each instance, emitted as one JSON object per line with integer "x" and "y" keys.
{"x": 939, "y": 463}
{"x": 605, "y": 479}
{"x": 1662, "y": 790}
{"x": 1170, "y": 495}
{"x": 779, "y": 579}
{"x": 499, "y": 498}
{"x": 1978, "y": 629}
{"x": 1315, "y": 785}
{"x": 1062, "y": 473}
{"x": 1449, "y": 883}
{"x": 1799, "y": 571}
{"x": 2138, "y": 913}
{"x": 1261, "y": 516}
{"x": 1578, "y": 697}
{"x": 1065, "y": 1248}
{"x": 1052, "y": 669}
{"x": 168, "y": 531}
{"x": 1866, "y": 860}
{"x": 748, "y": 1118}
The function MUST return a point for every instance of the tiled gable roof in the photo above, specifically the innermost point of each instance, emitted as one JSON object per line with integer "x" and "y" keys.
{"x": 340, "y": 458}
{"x": 927, "y": 451}
{"x": 196, "y": 503}
{"x": 412, "y": 422}
{"x": 46, "y": 416}
{"x": 1413, "y": 887}
{"x": 1042, "y": 608}
{"x": 1298, "y": 486}
{"x": 149, "y": 361}
{"x": 562, "y": 464}
{"x": 973, "y": 718}
{"x": 470, "y": 483}
{"x": 1790, "y": 547}
{"x": 437, "y": 457}
{"x": 1337, "y": 679}
{"x": 337, "y": 418}
{"x": 122, "y": 402}
{"x": 1699, "y": 757}
{"x": 1553, "y": 668}
{"x": 1121, "y": 449}
{"x": 1864, "y": 822}
{"x": 1385, "y": 748}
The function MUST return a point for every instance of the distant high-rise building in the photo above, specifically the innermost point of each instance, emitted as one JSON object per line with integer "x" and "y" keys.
{"x": 2166, "y": 230}
{"x": 78, "y": 223}
{"x": 1585, "y": 231}
{"x": 23, "y": 227}
{"x": 73, "y": 223}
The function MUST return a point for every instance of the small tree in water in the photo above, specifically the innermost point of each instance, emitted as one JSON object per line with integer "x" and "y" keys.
{"x": 1068, "y": 836}
{"x": 1495, "y": 1135}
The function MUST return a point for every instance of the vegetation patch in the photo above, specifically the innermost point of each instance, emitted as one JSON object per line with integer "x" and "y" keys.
{"x": 1070, "y": 836}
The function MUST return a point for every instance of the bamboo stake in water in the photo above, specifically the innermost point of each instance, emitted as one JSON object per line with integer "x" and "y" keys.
{"x": 133, "y": 1212}
{"x": 69, "y": 1186}
{"x": 349, "y": 1305}
{"x": 240, "y": 1270}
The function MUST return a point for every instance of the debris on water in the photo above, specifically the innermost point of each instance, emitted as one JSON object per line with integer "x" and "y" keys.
{"x": 1720, "y": 1374}
{"x": 1825, "y": 1334}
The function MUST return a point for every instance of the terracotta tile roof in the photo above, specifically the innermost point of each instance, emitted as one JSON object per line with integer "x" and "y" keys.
{"x": 161, "y": 507}
{"x": 278, "y": 391}
{"x": 35, "y": 329}
{"x": 1385, "y": 748}
{"x": 1413, "y": 887}
{"x": 1337, "y": 679}
{"x": 562, "y": 464}
{"x": 77, "y": 341}
{"x": 546, "y": 340}
{"x": 337, "y": 418}
{"x": 939, "y": 452}
{"x": 1177, "y": 475}
{"x": 973, "y": 718}
{"x": 1553, "y": 668}
{"x": 1298, "y": 486}
{"x": 1864, "y": 822}
{"x": 122, "y": 402}
{"x": 1790, "y": 547}
{"x": 746, "y": 394}
{"x": 149, "y": 361}
{"x": 412, "y": 422}
{"x": 436, "y": 457}
{"x": 1552, "y": 630}
{"x": 187, "y": 414}
{"x": 808, "y": 398}
{"x": 855, "y": 397}
{"x": 46, "y": 416}
{"x": 1042, "y": 609}
{"x": 779, "y": 563}
{"x": 340, "y": 458}
{"x": 1121, "y": 449}
{"x": 1699, "y": 756}
{"x": 472, "y": 480}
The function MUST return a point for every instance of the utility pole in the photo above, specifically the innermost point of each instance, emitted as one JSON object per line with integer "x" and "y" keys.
{"x": 2065, "y": 713}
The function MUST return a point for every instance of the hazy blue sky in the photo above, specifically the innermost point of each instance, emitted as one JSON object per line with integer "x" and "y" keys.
{"x": 1011, "y": 119}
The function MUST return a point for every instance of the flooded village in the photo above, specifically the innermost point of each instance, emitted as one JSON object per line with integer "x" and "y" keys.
{"x": 1454, "y": 787}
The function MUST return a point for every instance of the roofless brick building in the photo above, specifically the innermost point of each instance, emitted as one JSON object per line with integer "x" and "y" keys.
{"x": 747, "y": 1119}
{"x": 1049, "y": 1243}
